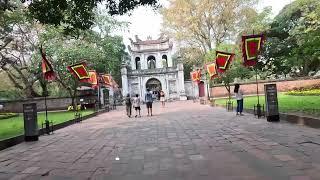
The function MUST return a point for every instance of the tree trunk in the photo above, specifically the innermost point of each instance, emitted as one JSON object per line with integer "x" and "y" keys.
{"x": 73, "y": 98}
{"x": 227, "y": 86}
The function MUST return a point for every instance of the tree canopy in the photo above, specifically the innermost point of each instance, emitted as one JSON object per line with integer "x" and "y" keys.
{"x": 20, "y": 58}
{"x": 206, "y": 23}
{"x": 293, "y": 40}
{"x": 79, "y": 14}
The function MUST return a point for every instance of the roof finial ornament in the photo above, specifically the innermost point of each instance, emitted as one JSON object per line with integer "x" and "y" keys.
{"x": 162, "y": 36}
{"x": 149, "y": 38}
{"x": 137, "y": 38}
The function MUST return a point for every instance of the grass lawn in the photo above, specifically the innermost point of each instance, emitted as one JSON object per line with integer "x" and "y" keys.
{"x": 308, "y": 105}
{"x": 14, "y": 126}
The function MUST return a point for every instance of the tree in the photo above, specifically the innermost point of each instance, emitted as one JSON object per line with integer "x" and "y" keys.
{"x": 257, "y": 22}
{"x": 206, "y": 24}
{"x": 191, "y": 57}
{"x": 100, "y": 50}
{"x": 236, "y": 69}
{"x": 293, "y": 38}
{"x": 77, "y": 15}
{"x": 18, "y": 41}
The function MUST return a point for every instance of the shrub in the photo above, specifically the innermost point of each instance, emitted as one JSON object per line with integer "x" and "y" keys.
{"x": 310, "y": 92}
{"x": 8, "y": 115}
{"x": 315, "y": 86}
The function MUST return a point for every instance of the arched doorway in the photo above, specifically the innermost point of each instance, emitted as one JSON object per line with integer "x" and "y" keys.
{"x": 155, "y": 86}
{"x": 201, "y": 89}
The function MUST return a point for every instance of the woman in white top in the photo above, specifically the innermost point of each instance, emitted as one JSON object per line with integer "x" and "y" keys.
{"x": 239, "y": 97}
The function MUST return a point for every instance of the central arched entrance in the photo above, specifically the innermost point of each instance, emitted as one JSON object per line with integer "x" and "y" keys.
{"x": 155, "y": 86}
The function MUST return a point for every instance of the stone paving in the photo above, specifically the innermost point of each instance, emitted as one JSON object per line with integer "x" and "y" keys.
{"x": 184, "y": 141}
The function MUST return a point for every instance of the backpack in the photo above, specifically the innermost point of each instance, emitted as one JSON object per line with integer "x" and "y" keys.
{"x": 149, "y": 97}
{"x": 128, "y": 101}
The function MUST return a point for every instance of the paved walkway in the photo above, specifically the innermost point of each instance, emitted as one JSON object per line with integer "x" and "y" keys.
{"x": 184, "y": 141}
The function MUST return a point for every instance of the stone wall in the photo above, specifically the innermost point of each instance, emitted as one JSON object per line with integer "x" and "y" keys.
{"x": 52, "y": 104}
{"x": 251, "y": 88}
{"x": 191, "y": 90}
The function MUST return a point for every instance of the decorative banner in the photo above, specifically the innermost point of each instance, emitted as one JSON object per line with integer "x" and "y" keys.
{"x": 46, "y": 67}
{"x": 223, "y": 60}
{"x": 80, "y": 72}
{"x": 212, "y": 70}
{"x": 251, "y": 47}
{"x": 195, "y": 75}
{"x": 114, "y": 84}
{"x": 93, "y": 78}
{"x": 107, "y": 80}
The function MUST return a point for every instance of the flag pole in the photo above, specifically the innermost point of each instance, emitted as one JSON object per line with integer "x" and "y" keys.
{"x": 257, "y": 84}
{"x": 46, "y": 109}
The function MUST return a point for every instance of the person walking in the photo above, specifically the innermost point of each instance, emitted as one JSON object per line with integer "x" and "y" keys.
{"x": 149, "y": 100}
{"x": 128, "y": 105}
{"x": 158, "y": 95}
{"x": 162, "y": 98}
{"x": 136, "y": 104}
{"x": 239, "y": 97}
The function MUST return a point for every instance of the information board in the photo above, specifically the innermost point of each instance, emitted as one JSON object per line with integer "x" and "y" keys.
{"x": 30, "y": 122}
{"x": 271, "y": 97}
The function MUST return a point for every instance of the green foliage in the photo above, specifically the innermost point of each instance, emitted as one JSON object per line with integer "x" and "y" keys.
{"x": 293, "y": 40}
{"x": 312, "y": 92}
{"x": 257, "y": 22}
{"x": 7, "y": 115}
{"x": 305, "y": 91}
{"x": 100, "y": 50}
{"x": 191, "y": 56}
{"x": 75, "y": 15}
{"x": 17, "y": 41}
{"x": 236, "y": 69}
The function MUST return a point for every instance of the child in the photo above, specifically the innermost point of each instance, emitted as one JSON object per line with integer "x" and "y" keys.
{"x": 162, "y": 98}
{"x": 136, "y": 104}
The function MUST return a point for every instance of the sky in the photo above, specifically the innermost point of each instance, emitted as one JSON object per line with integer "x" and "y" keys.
{"x": 144, "y": 21}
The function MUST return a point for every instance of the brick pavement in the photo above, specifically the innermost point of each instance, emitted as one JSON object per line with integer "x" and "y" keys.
{"x": 184, "y": 141}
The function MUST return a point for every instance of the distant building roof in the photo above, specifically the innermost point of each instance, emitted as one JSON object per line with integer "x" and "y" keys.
{"x": 150, "y": 45}
{"x": 149, "y": 40}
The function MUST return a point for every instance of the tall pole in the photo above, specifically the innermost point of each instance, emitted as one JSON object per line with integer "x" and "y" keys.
{"x": 257, "y": 86}
{"x": 46, "y": 109}
{"x": 98, "y": 93}
{"x": 208, "y": 88}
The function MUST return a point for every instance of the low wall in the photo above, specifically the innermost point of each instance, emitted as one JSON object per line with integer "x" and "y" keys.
{"x": 251, "y": 87}
{"x": 52, "y": 104}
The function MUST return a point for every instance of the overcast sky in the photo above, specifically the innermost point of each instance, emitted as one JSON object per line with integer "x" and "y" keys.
{"x": 146, "y": 22}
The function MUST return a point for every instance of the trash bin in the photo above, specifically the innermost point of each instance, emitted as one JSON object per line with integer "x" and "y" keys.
{"x": 31, "y": 131}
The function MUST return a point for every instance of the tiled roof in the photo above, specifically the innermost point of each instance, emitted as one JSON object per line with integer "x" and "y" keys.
{"x": 146, "y": 42}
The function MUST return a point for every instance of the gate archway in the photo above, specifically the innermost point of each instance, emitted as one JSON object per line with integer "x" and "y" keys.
{"x": 155, "y": 86}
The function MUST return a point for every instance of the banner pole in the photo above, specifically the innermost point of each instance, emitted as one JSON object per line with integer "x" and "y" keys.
{"x": 46, "y": 109}
{"x": 257, "y": 87}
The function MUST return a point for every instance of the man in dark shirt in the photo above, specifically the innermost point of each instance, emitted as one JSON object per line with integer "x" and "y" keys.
{"x": 149, "y": 101}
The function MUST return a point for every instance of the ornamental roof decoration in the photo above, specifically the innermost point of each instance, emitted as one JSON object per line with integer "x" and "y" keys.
{"x": 149, "y": 45}
{"x": 149, "y": 40}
